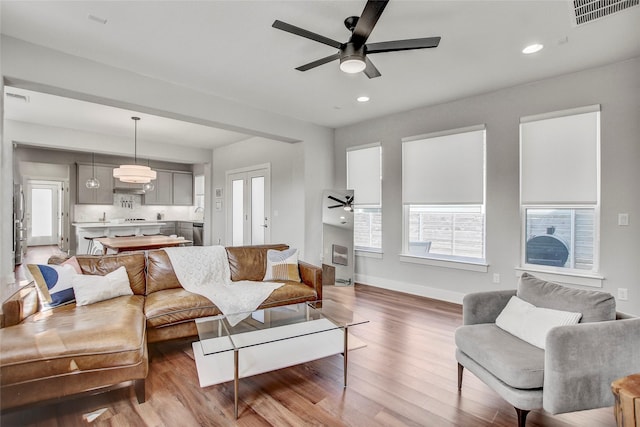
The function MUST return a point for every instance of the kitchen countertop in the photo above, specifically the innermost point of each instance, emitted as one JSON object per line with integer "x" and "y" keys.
{"x": 117, "y": 224}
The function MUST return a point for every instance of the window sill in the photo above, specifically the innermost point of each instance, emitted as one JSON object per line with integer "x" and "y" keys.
{"x": 371, "y": 253}
{"x": 481, "y": 266}
{"x": 570, "y": 278}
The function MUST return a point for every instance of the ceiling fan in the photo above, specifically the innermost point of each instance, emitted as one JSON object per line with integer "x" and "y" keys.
{"x": 353, "y": 53}
{"x": 346, "y": 203}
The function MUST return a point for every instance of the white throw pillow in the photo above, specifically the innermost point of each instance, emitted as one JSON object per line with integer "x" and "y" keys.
{"x": 89, "y": 289}
{"x": 531, "y": 323}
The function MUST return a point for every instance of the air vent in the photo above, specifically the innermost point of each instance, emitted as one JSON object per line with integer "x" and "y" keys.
{"x": 585, "y": 11}
{"x": 17, "y": 97}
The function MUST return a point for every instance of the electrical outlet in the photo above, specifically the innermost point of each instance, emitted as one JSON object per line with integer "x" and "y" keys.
{"x": 623, "y": 294}
{"x": 496, "y": 277}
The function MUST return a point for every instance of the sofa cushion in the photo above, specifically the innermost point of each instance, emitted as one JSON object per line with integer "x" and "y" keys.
{"x": 160, "y": 274}
{"x": 250, "y": 262}
{"x": 68, "y": 340}
{"x": 134, "y": 262}
{"x": 513, "y": 361}
{"x": 172, "y": 306}
{"x": 595, "y": 306}
{"x": 290, "y": 293}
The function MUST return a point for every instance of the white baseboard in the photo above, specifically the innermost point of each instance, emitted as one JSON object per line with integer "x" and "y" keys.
{"x": 410, "y": 288}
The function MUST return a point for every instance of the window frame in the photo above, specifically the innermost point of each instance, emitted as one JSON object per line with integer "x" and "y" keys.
{"x": 448, "y": 261}
{"x": 366, "y": 250}
{"x": 569, "y": 275}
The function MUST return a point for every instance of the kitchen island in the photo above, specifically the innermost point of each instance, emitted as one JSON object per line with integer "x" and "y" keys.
{"x": 86, "y": 230}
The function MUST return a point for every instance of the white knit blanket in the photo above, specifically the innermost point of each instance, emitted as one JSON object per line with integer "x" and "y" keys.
{"x": 204, "y": 270}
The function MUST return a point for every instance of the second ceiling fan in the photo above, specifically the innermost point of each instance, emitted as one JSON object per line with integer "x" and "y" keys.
{"x": 353, "y": 54}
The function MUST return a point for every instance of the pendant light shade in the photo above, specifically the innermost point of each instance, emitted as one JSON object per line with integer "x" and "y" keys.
{"x": 93, "y": 182}
{"x": 135, "y": 173}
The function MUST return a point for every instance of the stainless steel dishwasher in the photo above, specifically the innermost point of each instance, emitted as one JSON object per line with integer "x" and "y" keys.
{"x": 197, "y": 233}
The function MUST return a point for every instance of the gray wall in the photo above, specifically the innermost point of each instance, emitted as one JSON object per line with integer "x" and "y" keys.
{"x": 615, "y": 87}
{"x": 287, "y": 185}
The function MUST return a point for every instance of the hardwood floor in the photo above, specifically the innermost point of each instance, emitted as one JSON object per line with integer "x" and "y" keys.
{"x": 406, "y": 376}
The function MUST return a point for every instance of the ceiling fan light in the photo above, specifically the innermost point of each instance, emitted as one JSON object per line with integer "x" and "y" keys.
{"x": 135, "y": 174}
{"x": 352, "y": 65}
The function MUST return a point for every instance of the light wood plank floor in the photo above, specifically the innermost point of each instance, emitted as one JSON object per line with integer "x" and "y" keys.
{"x": 406, "y": 376}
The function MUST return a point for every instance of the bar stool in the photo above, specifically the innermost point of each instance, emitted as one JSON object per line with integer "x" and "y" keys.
{"x": 92, "y": 245}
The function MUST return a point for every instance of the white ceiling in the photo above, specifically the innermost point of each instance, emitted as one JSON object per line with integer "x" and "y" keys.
{"x": 228, "y": 48}
{"x": 57, "y": 111}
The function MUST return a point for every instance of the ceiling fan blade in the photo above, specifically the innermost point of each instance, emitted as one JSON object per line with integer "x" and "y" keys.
{"x": 305, "y": 33}
{"x": 409, "y": 44}
{"x": 370, "y": 15}
{"x": 335, "y": 199}
{"x": 371, "y": 71}
{"x": 335, "y": 206}
{"x": 318, "y": 62}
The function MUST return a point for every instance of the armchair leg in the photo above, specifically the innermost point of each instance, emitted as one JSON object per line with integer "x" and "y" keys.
{"x": 522, "y": 416}
{"x": 460, "y": 371}
{"x": 139, "y": 388}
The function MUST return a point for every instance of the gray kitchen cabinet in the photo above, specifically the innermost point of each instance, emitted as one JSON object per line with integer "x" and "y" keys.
{"x": 162, "y": 194}
{"x": 168, "y": 228}
{"x": 183, "y": 188}
{"x": 185, "y": 229}
{"x": 102, "y": 195}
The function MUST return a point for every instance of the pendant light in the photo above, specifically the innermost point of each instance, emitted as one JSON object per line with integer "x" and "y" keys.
{"x": 135, "y": 173}
{"x": 93, "y": 182}
{"x": 149, "y": 186}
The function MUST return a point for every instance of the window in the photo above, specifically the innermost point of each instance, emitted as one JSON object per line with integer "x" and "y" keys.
{"x": 364, "y": 177}
{"x": 199, "y": 191}
{"x": 560, "y": 190}
{"x": 443, "y": 180}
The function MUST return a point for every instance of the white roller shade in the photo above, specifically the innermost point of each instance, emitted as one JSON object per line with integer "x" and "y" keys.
{"x": 364, "y": 174}
{"x": 559, "y": 159}
{"x": 444, "y": 168}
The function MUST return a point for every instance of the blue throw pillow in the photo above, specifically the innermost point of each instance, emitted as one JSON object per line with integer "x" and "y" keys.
{"x": 54, "y": 283}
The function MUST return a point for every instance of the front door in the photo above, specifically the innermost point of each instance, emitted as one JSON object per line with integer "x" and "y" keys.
{"x": 248, "y": 206}
{"x": 44, "y": 213}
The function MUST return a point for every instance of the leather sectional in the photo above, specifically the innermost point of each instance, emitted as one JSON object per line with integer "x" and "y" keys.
{"x": 47, "y": 355}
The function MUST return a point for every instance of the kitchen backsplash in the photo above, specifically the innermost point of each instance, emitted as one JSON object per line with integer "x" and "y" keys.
{"x": 130, "y": 206}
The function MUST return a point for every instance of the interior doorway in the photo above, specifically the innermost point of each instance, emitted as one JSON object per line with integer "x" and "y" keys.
{"x": 249, "y": 206}
{"x": 44, "y": 212}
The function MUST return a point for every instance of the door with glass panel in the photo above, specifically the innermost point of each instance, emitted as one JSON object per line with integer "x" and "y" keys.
{"x": 249, "y": 206}
{"x": 43, "y": 213}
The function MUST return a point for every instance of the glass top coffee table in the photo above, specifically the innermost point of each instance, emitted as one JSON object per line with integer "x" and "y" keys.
{"x": 241, "y": 345}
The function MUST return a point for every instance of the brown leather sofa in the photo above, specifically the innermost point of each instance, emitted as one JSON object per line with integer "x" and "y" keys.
{"x": 46, "y": 355}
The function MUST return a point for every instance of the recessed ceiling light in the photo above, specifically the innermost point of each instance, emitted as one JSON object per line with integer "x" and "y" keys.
{"x": 532, "y": 48}
{"x": 363, "y": 99}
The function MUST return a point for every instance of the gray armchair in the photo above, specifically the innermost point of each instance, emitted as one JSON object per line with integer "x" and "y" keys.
{"x": 579, "y": 362}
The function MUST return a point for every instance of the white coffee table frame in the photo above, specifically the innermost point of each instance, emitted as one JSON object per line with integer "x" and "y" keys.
{"x": 309, "y": 331}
